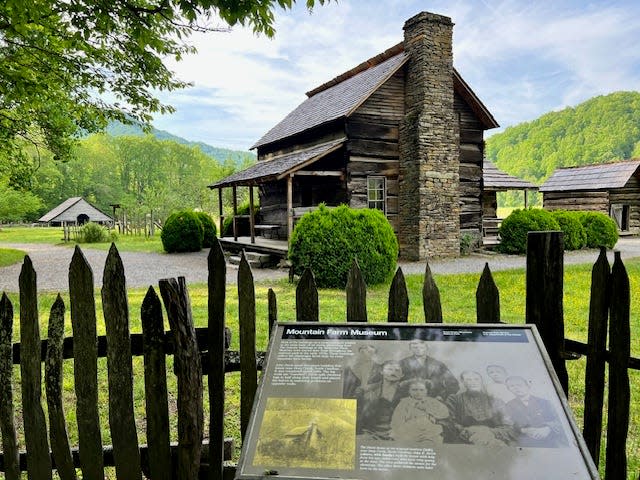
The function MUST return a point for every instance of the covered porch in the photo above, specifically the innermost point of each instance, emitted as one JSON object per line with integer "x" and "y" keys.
{"x": 495, "y": 180}
{"x": 288, "y": 185}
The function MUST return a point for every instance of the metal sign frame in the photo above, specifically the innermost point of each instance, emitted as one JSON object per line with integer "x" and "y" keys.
{"x": 409, "y": 401}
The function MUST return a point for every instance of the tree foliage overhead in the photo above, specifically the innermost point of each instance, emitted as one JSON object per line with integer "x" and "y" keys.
{"x": 600, "y": 130}
{"x": 70, "y": 65}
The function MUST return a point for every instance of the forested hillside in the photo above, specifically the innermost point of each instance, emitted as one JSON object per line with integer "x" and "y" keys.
{"x": 117, "y": 129}
{"x": 602, "y": 129}
{"x": 143, "y": 174}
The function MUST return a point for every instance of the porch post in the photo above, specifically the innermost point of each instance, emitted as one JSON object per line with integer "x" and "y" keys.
{"x": 235, "y": 212}
{"x": 251, "y": 219}
{"x": 526, "y": 198}
{"x": 220, "y": 210}
{"x": 289, "y": 206}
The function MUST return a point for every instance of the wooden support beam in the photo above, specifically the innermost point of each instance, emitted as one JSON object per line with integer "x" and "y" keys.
{"x": 289, "y": 206}
{"x": 320, "y": 173}
{"x": 235, "y": 212}
{"x": 251, "y": 219}
{"x": 220, "y": 211}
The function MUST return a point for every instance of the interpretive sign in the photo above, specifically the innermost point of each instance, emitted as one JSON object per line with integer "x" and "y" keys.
{"x": 403, "y": 401}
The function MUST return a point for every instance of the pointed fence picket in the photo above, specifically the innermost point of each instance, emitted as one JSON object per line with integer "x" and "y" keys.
{"x": 203, "y": 351}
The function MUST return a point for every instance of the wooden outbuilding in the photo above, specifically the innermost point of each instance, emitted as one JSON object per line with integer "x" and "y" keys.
{"x": 73, "y": 212}
{"x": 494, "y": 181}
{"x": 402, "y": 132}
{"x": 611, "y": 188}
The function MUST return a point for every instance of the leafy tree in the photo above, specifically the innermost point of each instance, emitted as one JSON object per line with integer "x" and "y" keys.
{"x": 73, "y": 65}
{"x": 16, "y": 206}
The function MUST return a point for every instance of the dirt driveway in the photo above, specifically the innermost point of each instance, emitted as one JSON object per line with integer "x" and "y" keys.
{"x": 143, "y": 269}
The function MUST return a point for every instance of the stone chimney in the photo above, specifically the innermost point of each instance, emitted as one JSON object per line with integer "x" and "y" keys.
{"x": 429, "y": 143}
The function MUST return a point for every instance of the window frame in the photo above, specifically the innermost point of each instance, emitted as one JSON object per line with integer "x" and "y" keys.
{"x": 375, "y": 203}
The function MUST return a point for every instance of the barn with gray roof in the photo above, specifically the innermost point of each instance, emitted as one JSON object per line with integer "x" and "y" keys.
{"x": 75, "y": 211}
{"x": 610, "y": 188}
{"x": 401, "y": 132}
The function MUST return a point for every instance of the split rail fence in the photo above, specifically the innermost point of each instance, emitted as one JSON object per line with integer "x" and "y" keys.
{"x": 204, "y": 351}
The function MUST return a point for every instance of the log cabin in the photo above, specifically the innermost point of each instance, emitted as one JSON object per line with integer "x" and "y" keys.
{"x": 401, "y": 132}
{"x": 610, "y": 188}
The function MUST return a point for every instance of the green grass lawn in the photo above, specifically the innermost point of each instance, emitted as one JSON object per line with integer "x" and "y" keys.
{"x": 9, "y": 256}
{"x": 54, "y": 236}
{"x": 458, "y": 304}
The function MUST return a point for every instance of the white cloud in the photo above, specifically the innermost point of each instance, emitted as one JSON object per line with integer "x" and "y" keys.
{"x": 521, "y": 58}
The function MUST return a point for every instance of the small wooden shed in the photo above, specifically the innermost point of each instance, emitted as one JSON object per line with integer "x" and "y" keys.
{"x": 611, "y": 188}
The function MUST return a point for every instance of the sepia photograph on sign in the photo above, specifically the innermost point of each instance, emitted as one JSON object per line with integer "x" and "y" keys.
{"x": 397, "y": 401}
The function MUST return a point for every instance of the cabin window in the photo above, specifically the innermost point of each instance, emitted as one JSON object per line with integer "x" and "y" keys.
{"x": 377, "y": 193}
{"x": 620, "y": 213}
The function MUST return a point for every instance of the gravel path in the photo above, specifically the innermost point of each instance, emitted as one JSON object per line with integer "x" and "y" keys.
{"x": 143, "y": 269}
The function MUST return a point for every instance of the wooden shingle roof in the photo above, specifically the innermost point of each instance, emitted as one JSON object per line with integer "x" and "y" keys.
{"x": 280, "y": 166}
{"x": 334, "y": 102}
{"x": 70, "y": 209}
{"x": 591, "y": 177}
{"x": 496, "y": 180}
{"x": 341, "y": 96}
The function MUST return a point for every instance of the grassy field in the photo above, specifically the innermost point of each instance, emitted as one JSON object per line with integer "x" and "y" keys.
{"x": 458, "y": 303}
{"x": 9, "y": 256}
{"x": 54, "y": 236}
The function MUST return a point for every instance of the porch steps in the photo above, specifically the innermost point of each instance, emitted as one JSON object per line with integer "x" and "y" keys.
{"x": 256, "y": 260}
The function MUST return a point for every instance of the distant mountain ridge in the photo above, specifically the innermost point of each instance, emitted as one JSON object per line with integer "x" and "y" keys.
{"x": 603, "y": 129}
{"x": 239, "y": 157}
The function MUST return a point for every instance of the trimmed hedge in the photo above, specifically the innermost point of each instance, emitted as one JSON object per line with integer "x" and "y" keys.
{"x": 210, "y": 230}
{"x": 327, "y": 240}
{"x": 601, "y": 230}
{"x": 514, "y": 228}
{"x": 575, "y": 236}
{"x": 182, "y": 232}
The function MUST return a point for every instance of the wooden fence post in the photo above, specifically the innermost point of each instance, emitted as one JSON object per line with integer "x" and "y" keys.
{"x": 217, "y": 344}
{"x": 189, "y": 372}
{"x": 596, "y": 363}
{"x": 155, "y": 387}
{"x": 247, "y": 321}
{"x": 273, "y": 310}
{"x": 545, "y": 269}
{"x": 7, "y": 425}
{"x": 431, "y": 298}
{"x": 120, "y": 370}
{"x": 53, "y": 382}
{"x": 356, "y": 294}
{"x": 307, "y": 309}
{"x": 35, "y": 427}
{"x": 398, "y": 309}
{"x": 620, "y": 351}
{"x": 85, "y": 353}
{"x": 487, "y": 298}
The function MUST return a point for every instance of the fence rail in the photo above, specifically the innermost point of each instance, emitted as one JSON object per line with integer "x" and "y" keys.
{"x": 204, "y": 351}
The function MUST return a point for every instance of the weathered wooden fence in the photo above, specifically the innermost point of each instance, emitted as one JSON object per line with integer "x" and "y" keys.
{"x": 204, "y": 351}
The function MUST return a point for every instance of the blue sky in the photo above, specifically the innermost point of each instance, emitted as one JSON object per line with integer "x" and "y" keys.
{"x": 523, "y": 58}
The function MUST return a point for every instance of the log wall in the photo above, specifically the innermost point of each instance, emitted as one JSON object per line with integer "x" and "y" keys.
{"x": 373, "y": 145}
{"x": 471, "y": 154}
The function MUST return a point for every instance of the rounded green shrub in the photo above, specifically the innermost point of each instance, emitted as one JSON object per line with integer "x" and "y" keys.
{"x": 209, "y": 227}
{"x": 93, "y": 233}
{"x": 575, "y": 236}
{"x": 601, "y": 230}
{"x": 514, "y": 228}
{"x": 182, "y": 232}
{"x": 328, "y": 239}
